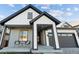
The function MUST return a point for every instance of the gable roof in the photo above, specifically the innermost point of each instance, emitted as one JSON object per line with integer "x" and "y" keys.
{"x": 75, "y": 23}
{"x": 46, "y": 14}
{"x": 18, "y": 12}
{"x": 63, "y": 23}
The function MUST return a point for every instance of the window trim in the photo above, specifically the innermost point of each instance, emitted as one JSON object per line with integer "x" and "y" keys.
{"x": 19, "y": 35}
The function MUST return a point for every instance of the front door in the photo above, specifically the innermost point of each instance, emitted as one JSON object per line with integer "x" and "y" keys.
{"x": 51, "y": 39}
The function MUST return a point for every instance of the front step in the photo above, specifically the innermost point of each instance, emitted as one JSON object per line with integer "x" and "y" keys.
{"x": 46, "y": 49}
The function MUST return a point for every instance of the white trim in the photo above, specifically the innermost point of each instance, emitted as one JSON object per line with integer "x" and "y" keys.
{"x": 56, "y": 36}
{"x": 35, "y": 36}
{"x": 65, "y": 31}
{"x": 70, "y": 31}
{"x": 77, "y": 38}
{"x": 47, "y": 39}
{"x": 2, "y": 35}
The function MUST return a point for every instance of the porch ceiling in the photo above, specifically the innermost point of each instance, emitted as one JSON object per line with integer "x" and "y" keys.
{"x": 20, "y": 26}
{"x": 43, "y": 27}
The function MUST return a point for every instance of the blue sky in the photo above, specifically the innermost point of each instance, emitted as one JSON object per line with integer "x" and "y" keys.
{"x": 63, "y": 12}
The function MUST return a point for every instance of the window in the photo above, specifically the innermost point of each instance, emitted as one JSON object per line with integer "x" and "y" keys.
{"x": 23, "y": 36}
{"x": 64, "y": 34}
{"x": 29, "y": 15}
{"x": 7, "y": 30}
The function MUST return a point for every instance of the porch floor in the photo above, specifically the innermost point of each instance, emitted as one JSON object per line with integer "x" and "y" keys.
{"x": 46, "y": 49}
{"x": 41, "y": 49}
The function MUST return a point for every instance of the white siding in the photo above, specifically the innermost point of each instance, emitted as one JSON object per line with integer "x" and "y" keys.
{"x": 21, "y": 19}
{"x": 43, "y": 20}
{"x": 14, "y": 36}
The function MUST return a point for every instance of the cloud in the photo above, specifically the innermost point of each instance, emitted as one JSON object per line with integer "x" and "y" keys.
{"x": 11, "y": 5}
{"x": 23, "y": 5}
{"x": 76, "y": 9}
{"x": 56, "y": 13}
{"x": 68, "y": 14}
{"x": 59, "y": 13}
{"x": 2, "y": 17}
{"x": 60, "y": 4}
{"x": 14, "y": 10}
{"x": 68, "y": 9}
{"x": 45, "y": 6}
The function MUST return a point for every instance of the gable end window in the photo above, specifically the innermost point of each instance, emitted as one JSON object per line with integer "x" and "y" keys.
{"x": 29, "y": 15}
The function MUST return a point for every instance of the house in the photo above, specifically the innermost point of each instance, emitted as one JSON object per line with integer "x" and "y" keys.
{"x": 75, "y": 24}
{"x": 31, "y": 30}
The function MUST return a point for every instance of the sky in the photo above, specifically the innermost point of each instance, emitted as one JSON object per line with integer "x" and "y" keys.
{"x": 63, "y": 12}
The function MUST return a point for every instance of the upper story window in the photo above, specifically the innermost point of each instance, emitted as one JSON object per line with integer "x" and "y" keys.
{"x": 29, "y": 15}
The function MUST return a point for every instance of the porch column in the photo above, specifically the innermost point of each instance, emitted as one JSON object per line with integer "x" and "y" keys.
{"x": 77, "y": 38}
{"x": 47, "y": 39}
{"x": 2, "y": 37}
{"x": 55, "y": 35}
{"x": 34, "y": 36}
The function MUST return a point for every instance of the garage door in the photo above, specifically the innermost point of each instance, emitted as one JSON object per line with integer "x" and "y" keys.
{"x": 67, "y": 40}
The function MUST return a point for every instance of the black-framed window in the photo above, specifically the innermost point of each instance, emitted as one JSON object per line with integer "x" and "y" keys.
{"x": 29, "y": 15}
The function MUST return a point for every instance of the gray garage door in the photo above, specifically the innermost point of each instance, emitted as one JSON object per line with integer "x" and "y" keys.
{"x": 67, "y": 40}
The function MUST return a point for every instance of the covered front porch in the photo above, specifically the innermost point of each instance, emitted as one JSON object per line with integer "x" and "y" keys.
{"x": 16, "y": 37}
{"x": 41, "y": 28}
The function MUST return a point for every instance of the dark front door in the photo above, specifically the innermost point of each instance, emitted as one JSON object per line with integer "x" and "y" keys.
{"x": 51, "y": 39}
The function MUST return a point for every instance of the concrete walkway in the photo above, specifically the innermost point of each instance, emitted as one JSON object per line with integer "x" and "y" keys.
{"x": 15, "y": 49}
{"x": 42, "y": 50}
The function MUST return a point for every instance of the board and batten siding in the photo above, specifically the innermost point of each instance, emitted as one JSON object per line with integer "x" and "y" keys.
{"x": 22, "y": 19}
{"x": 14, "y": 36}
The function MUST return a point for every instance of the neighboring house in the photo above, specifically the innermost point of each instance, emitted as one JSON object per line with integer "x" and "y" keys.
{"x": 31, "y": 30}
{"x": 75, "y": 24}
{"x": 64, "y": 25}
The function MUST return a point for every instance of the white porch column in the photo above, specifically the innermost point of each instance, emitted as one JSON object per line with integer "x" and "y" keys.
{"x": 47, "y": 39}
{"x": 2, "y": 36}
{"x": 55, "y": 35}
{"x": 34, "y": 36}
{"x": 77, "y": 38}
